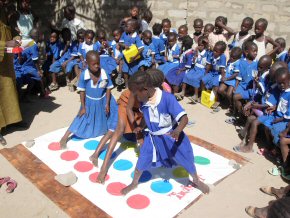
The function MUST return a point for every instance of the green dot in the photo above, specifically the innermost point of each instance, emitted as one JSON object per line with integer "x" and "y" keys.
{"x": 180, "y": 172}
{"x": 201, "y": 160}
{"x": 128, "y": 145}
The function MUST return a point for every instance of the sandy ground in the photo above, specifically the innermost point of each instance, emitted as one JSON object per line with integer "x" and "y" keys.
{"x": 227, "y": 200}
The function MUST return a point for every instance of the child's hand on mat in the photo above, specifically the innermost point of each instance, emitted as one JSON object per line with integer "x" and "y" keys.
{"x": 82, "y": 112}
{"x": 175, "y": 134}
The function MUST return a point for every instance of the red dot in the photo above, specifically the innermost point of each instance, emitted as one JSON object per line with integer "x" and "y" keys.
{"x": 94, "y": 176}
{"x": 54, "y": 146}
{"x": 83, "y": 166}
{"x": 115, "y": 188}
{"x": 69, "y": 155}
{"x": 138, "y": 201}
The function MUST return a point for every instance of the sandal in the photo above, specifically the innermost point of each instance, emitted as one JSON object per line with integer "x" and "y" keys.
{"x": 230, "y": 120}
{"x": 2, "y": 140}
{"x": 250, "y": 210}
{"x": 3, "y": 180}
{"x": 268, "y": 190}
{"x": 11, "y": 186}
{"x": 275, "y": 171}
{"x": 215, "y": 105}
{"x": 192, "y": 100}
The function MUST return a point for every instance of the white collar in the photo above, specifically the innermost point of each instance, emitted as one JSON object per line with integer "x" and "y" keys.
{"x": 187, "y": 51}
{"x": 283, "y": 52}
{"x": 173, "y": 47}
{"x": 86, "y": 46}
{"x": 158, "y": 98}
{"x": 134, "y": 35}
{"x": 103, "y": 75}
{"x": 287, "y": 90}
{"x": 265, "y": 74}
{"x": 203, "y": 52}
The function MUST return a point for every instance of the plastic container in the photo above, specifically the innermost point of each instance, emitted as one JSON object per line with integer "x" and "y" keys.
{"x": 131, "y": 52}
{"x": 207, "y": 98}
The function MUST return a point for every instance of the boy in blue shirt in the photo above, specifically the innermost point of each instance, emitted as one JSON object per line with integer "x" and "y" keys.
{"x": 158, "y": 43}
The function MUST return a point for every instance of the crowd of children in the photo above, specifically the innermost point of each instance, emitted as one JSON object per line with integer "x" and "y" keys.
{"x": 245, "y": 78}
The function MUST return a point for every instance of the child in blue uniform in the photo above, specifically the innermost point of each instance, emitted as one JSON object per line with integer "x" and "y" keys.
{"x": 158, "y": 43}
{"x": 171, "y": 55}
{"x": 215, "y": 68}
{"x": 193, "y": 76}
{"x": 248, "y": 69}
{"x": 228, "y": 82}
{"x": 176, "y": 74}
{"x": 128, "y": 38}
{"x": 165, "y": 143}
{"x": 98, "y": 114}
{"x": 148, "y": 54}
{"x": 166, "y": 29}
{"x": 282, "y": 53}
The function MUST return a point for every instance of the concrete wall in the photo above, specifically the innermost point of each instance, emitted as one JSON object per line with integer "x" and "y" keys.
{"x": 108, "y": 13}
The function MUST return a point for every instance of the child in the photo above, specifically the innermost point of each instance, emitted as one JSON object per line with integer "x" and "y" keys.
{"x": 261, "y": 40}
{"x": 193, "y": 76}
{"x": 146, "y": 19}
{"x": 148, "y": 53}
{"x": 165, "y": 144}
{"x": 198, "y": 26}
{"x": 71, "y": 22}
{"x": 241, "y": 36}
{"x": 208, "y": 29}
{"x": 158, "y": 43}
{"x": 98, "y": 114}
{"x": 182, "y": 32}
{"x": 215, "y": 68}
{"x": 176, "y": 74}
{"x": 134, "y": 14}
{"x": 129, "y": 38}
{"x": 228, "y": 83}
{"x": 166, "y": 29}
{"x": 284, "y": 146}
{"x": 248, "y": 68}
{"x": 282, "y": 53}
{"x": 172, "y": 54}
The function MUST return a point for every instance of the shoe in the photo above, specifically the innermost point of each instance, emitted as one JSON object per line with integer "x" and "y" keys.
{"x": 53, "y": 87}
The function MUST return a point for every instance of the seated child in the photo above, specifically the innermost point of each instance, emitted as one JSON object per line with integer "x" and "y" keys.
{"x": 282, "y": 53}
{"x": 158, "y": 43}
{"x": 98, "y": 114}
{"x": 166, "y": 29}
{"x": 148, "y": 54}
{"x": 175, "y": 75}
{"x": 171, "y": 55}
{"x": 165, "y": 143}
{"x": 182, "y": 32}
{"x": 198, "y": 26}
{"x": 284, "y": 146}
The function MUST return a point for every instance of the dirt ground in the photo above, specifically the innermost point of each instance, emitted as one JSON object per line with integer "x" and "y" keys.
{"x": 227, "y": 200}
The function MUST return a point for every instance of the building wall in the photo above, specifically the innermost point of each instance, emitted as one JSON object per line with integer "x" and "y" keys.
{"x": 107, "y": 13}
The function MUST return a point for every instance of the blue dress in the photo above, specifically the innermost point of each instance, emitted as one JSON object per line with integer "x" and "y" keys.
{"x": 246, "y": 76}
{"x": 95, "y": 122}
{"x": 172, "y": 61}
{"x": 21, "y": 78}
{"x": 194, "y": 75}
{"x": 231, "y": 69}
{"x": 163, "y": 37}
{"x": 146, "y": 56}
{"x": 53, "y": 50}
{"x": 159, "y": 48}
{"x": 128, "y": 40}
{"x": 212, "y": 78}
{"x": 74, "y": 53}
{"x": 185, "y": 62}
{"x": 28, "y": 67}
{"x": 159, "y": 149}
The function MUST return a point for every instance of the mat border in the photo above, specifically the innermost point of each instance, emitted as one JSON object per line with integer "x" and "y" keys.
{"x": 43, "y": 178}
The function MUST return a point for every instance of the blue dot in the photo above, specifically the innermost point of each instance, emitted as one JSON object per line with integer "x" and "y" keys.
{"x": 76, "y": 138}
{"x": 91, "y": 145}
{"x": 103, "y": 155}
{"x": 161, "y": 187}
{"x": 123, "y": 165}
{"x": 145, "y": 177}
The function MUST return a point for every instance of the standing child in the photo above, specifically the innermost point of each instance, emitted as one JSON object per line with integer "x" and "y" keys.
{"x": 158, "y": 43}
{"x": 148, "y": 53}
{"x": 146, "y": 19}
{"x": 165, "y": 143}
{"x": 193, "y": 76}
{"x": 98, "y": 114}
{"x": 182, "y": 33}
{"x": 198, "y": 26}
{"x": 171, "y": 55}
{"x": 134, "y": 14}
{"x": 282, "y": 53}
{"x": 208, "y": 29}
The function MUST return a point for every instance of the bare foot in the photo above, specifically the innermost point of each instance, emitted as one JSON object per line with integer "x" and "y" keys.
{"x": 243, "y": 133}
{"x": 94, "y": 160}
{"x": 129, "y": 188}
{"x": 244, "y": 149}
{"x": 261, "y": 212}
{"x": 62, "y": 143}
{"x": 202, "y": 187}
{"x": 102, "y": 177}
{"x": 279, "y": 193}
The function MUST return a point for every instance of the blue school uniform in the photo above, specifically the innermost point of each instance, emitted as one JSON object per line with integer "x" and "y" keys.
{"x": 212, "y": 78}
{"x": 95, "y": 122}
{"x": 56, "y": 66}
{"x": 82, "y": 51}
{"x": 246, "y": 76}
{"x": 185, "y": 62}
{"x": 159, "y": 148}
{"x": 128, "y": 40}
{"x": 282, "y": 56}
{"x": 159, "y": 49}
{"x": 164, "y": 37}
{"x": 194, "y": 75}
{"x": 146, "y": 56}
{"x": 231, "y": 69}
{"x": 53, "y": 50}
{"x": 172, "y": 61}
{"x": 28, "y": 67}
{"x": 74, "y": 53}
{"x": 21, "y": 78}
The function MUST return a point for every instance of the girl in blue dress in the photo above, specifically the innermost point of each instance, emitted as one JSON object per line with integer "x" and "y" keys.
{"x": 148, "y": 53}
{"x": 98, "y": 114}
{"x": 165, "y": 143}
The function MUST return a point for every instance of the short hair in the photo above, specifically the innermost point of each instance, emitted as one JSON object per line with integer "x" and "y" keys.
{"x": 223, "y": 19}
{"x": 281, "y": 72}
{"x": 221, "y": 44}
{"x": 187, "y": 42}
{"x": 147, "y": 14}
{"x": 237, "y": 51}
{"x": 184, "y": 26}
{"x": 247, "y": 45}
{"x": 171, "y": 34}
{"x": 100, "y": 31}
{"x": 92, "y": 53}
{"x": 134, "y": 22}
{"x": 266, "y": 59}
{"x": 198, "y": 20}
{"x": 248, "y": 19}
{"x": 281, "y": 41}
{"x": 81, "y": 31}
{"x": 147, "y": 32}
{"x": 201, "y": 39}
{"x": 70, "y": 9}
{"x": 263, "y": 21}
{"x": 87, "y": 32}
{"x": 209, "y": 25}
{"x": 166, "y": 20}
{"x": 55, "y": 31}
{"x": 157, "y": 77}
{"x": 157, "y": 29}
{"x": 118, "y": 30}
{"x": 140, "y": 79}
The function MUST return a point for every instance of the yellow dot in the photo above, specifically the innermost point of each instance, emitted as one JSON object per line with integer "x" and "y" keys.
{"x": 128, "y": 145}
{"x": 180, "y": 172}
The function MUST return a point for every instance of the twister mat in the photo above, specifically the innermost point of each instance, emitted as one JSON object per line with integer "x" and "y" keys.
{"x": 161, "y": 192}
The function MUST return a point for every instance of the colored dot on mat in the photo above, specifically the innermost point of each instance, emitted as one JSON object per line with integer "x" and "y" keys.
{"x": 115, "y": 188}
{"x": 83, "y": 166}
{"x": 161, "y": 187}
{"x": 54, "y": 146}
{"x": 201, "y": 160}
{"x": 180, "y": 172}
{"x": 145, "y": 177}
{"x": 123, "y": 165}
{"x": 128, "y": 145}
{"x": 138, "y": 202}
{"x": 93, "y": 177}
{"x": 103, "y": 155}
{"x": 69, "y": 155}
{"x": 91, "y": 145}
{"x": 76, "y": 138}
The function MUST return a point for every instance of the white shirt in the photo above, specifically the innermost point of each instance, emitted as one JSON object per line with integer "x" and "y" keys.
{"x": 74, "y": 25}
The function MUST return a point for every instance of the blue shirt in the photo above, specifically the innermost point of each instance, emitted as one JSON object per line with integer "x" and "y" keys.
{"x": 148, "y": 51}
{"x": 200, "y": 60}
{"x": 159, "y": 48}
{"x": 129, "y": 40}
{"x": 84, "y": 48}
{"x": 54, "y": 49}
{"x": 232, "y": 68}
{"x": 216, "y": 63}
{"x": 283, "y": 108}
{"x": 247, "y": 72}
{"x": 174, "y": 51}
{"x": 186, "y": 59}
{"x": 29, "y": 55}
{"x": 72, "y": 49}
{"x": 282, "y": 56}
{"x": 164, "y": 37}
